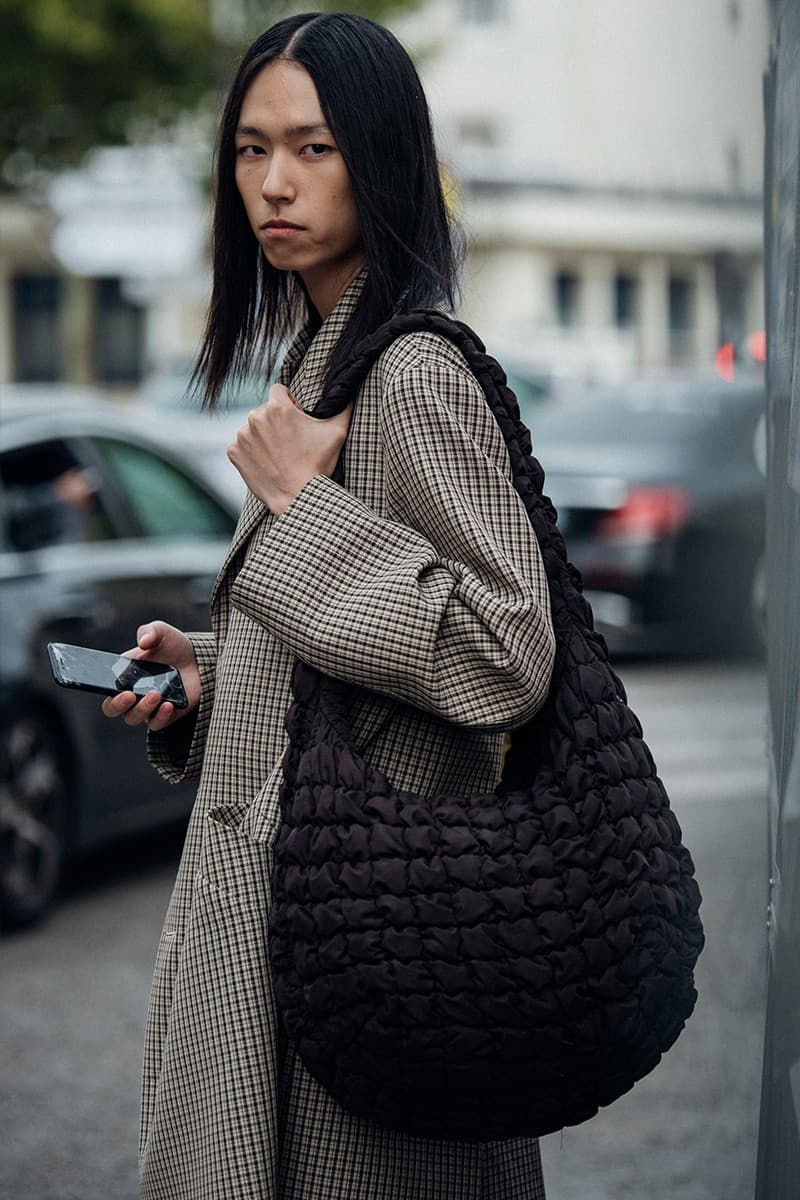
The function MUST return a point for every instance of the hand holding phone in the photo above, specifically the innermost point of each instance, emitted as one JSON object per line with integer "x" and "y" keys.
{"x": 157, "y": 642}
{"x": 110, "y": 674}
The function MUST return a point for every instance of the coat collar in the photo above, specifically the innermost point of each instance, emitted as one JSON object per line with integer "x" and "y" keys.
{"x": 303, "y": 369}
{"x": 303, "y": 372}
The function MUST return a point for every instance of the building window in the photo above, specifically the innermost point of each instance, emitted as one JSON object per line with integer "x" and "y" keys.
{"x": 567, "y": 287}
{"x": 731, "y": 283}
{"x": 625, "y": 300}
{"x": 681, "y": 316}
{"x": 483, "y": 12}
{"x": 118, "y": 334}
{"x": 36, "y": 301}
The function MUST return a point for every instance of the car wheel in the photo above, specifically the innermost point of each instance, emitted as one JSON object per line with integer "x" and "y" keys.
{"x": 33, "y": 799}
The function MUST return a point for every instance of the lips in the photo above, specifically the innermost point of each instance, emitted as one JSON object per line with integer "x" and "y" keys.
{"x": 278, "y": 225}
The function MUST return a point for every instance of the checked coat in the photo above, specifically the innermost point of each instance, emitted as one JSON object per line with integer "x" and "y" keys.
{"x": 419, "y": 579}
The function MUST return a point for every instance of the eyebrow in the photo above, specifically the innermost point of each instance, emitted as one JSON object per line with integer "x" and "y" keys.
{"x": 292, "y": 131}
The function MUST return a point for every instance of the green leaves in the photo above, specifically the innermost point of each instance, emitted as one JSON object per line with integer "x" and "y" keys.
{"x": 80, "y": 73}
{"x": 77, "y": 71}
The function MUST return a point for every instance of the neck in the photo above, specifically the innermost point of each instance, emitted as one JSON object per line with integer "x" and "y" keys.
{"x": 326, "y": 289}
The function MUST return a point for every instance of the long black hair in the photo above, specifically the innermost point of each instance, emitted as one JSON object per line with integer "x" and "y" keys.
{"x": 374, "y": 105}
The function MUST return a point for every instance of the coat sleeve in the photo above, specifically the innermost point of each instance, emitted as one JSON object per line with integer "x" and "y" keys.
{"x": 444, "y": 603}
{"x": 177, "y": 752}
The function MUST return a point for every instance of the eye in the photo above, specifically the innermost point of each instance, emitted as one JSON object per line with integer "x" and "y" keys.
{"x": 316, "y": 150}
{"x": 250, "y": 151}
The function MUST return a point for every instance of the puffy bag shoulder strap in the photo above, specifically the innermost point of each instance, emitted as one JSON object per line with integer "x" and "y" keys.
{"x": 571, "y": 614}
{"x": 527, "y": 471}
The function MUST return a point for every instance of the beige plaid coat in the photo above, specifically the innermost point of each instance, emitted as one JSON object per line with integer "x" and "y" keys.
{"x": 421, "y": 580}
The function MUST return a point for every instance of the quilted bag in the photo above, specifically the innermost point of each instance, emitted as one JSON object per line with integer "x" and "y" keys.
{"x": 490, "y": 966}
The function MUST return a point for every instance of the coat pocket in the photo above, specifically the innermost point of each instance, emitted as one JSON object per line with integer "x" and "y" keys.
{"x": 232, "y": 863}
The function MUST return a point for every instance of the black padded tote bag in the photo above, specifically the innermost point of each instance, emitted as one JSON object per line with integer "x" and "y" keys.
{"x": 484, "y": 967}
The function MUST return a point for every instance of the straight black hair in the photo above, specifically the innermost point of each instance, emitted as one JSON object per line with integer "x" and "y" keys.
{"x": 373, "y": 102}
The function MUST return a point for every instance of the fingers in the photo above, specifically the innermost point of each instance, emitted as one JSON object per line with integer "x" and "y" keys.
{"x": 162, "y": 718}
{"x": 144, "y": 711}
{"x": 149, "y": 710}
{"x": 281, "y": 400}
{"x": 117, "y": 706}
{"x": 281, "y": 396}
{"x": 155, "y": 639}
{"x": 282, "y": 447}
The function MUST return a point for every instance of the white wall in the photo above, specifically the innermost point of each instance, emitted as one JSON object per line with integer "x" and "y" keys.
{"x": 601, "y": 136}
{"x": 654, "y": 94}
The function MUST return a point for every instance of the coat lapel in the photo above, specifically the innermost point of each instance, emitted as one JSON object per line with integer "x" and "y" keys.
{"x": 302, "y": 371}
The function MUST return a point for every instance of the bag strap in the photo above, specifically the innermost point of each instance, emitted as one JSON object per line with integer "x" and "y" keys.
{"x": 571, "y": 614}
{"x": 527, "y": 471}
{"x": 418, "y": 320}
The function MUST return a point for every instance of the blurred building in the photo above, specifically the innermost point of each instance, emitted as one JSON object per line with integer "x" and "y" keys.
{"x": 106, "y": 276}
{"x": 609, "y": 155}
{"x": 607, "y": 158}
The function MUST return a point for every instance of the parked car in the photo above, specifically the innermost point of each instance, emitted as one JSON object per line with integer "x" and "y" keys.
{"x": 532, "y": 387}
{"x": 164, "y": 400}
{"x": 102, "y": 528}
{"x": 661, "y": 502}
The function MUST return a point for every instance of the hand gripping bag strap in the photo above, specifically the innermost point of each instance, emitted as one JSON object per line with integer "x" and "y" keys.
{"x": 484, "y": 967}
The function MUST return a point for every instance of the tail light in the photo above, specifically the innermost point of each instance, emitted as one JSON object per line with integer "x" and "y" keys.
{"x": 646, "y": 512}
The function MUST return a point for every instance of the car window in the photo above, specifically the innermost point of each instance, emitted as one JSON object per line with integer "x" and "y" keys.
{"x": 50, "y": 498}
{"x": 165, "y": 502}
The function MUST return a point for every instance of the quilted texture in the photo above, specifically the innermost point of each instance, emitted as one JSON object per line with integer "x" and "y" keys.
{"x": 492, "y": 966}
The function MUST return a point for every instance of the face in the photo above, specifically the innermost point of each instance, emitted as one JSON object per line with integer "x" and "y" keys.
{"x": 294, "y": 184}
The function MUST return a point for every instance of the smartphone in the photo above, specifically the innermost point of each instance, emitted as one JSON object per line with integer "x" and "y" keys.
{"x": 108, "y": 674}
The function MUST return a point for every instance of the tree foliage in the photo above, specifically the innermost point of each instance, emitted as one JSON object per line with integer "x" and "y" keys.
{"x": 80, "y": 73}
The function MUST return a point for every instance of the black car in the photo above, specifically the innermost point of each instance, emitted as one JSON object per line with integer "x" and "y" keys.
{"x": 661, "y": 502}
{"x": 102, "y": 529}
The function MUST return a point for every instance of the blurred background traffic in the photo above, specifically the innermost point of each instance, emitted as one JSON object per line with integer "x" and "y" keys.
{"x": 606, "y": 161}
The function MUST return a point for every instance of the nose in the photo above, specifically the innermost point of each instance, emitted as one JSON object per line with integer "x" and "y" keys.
{"x": 277, "y": 185}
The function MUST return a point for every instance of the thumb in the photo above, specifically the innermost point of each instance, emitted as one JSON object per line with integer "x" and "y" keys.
{"x": 148, "y": 636}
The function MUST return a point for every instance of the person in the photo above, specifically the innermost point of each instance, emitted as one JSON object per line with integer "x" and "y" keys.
{"x": 418, "y": 579}
{"x": 60, "y": 509}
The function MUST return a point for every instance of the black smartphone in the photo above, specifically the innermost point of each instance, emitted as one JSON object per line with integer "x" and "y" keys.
{"x": 108, "y": 674}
